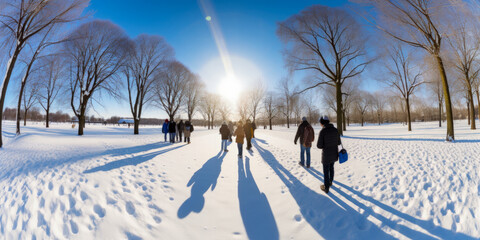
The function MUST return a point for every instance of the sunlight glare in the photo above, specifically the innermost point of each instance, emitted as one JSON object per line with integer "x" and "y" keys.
{"x": 230, "y": 89}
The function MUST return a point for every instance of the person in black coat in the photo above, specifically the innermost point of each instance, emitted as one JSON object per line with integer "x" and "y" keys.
{"x": 225, "y": 132}
{"x": 248, "y": 133}
{"x": 188, "y": 131}
{"x": 172, "y": 129}
{"x": 181, "y": 128}
{"x": 328, "y": 141}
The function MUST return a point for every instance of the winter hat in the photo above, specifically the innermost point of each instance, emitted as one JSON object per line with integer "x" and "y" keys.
{"x": 225, "y": 123}
{"x": 166, "y": 120}
{"x": 324, "y": 120}
{"x": 304, "y": 119}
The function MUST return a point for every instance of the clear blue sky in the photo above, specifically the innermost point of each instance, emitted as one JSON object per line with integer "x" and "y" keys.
{"x": 248, "y": 27}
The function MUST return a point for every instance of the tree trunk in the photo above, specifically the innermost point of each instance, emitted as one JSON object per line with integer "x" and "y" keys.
{"x": 362, "y": 120}
{"x": 47, "y": 118}
{"x": 338, "y": 87}
{"x": 448, "y": 102}
{"x": 81, "y": 124}
{"x": 6, "y": 80}
{"x": 468, "y": 112}
{"x": 25, "y": 117}
{"x": 478, "y": 103}
{"x": 471, "y": 105}
{"x": 270, "y": 123}
{"x": 439, "y": 114}
{"x": 136, "y": 124}
{"x": 19, "y": 106}
{"x": 288, "y": 122}
{"x": 344, "y": 121}
{"x": 409, "y": 119}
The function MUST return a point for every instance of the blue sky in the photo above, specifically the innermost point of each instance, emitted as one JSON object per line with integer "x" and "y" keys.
{"x": 248, "y": 27}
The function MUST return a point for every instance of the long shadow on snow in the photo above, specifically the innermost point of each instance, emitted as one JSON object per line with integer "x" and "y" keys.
{"x": 326, "y": 217}
{"x": 410, "y": 233}
{"x": 256, "y": 212}
{"x": 413, "y": 139}
{"x": 202, "y": 180}
{"x": 33, "y": 167}
{"x": 130, "y": 161}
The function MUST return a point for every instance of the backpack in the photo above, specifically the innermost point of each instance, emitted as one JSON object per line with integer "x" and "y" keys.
{"x": 309, "y": 134}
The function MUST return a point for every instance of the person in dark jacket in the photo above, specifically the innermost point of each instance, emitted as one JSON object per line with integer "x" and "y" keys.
{"x": 225, "y": 132}
{"x": 165, "y": 129}
{"x": 306, "y": 135}
{"x": 328, "y": 141}
{"x": 230, "y": 126}
{"x": 172, "y": 128}
{"x": 254, "y": 127}
{"x": 240, "y": 135}
{"x": 181, "y": 128}
{"x": 248, "y": 133}
{"x": 188, "y": 131}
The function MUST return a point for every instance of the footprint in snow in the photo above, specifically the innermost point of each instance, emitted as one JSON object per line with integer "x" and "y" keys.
{"x": 83, "y": 196}
{"x": 99, "y": 210}
{"x": 130, "y": 208}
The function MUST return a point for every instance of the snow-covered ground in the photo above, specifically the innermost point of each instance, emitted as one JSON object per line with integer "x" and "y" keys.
{"x": 110, "y": 184}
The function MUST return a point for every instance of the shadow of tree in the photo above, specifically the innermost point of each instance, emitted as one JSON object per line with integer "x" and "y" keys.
{"x": 255, "y": 209}
{"x": 327, "y": 218}
{"x": 204, "y": 178}
{"x": 412, "y": 139}
{"x": 130, "y": 161}
{"x": 429, "y": 226}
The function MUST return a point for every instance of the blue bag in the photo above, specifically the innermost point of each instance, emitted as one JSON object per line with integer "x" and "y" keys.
{"x": 343, "y": 155}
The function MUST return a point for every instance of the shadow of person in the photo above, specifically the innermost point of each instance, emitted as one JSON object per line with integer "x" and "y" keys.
{"x": 327, "y": 218}
{"x": 130, "y": 161}
{"x": 429, "y": 226}
{"x": 203, "y": 179}
{"x": 255, "y": 209}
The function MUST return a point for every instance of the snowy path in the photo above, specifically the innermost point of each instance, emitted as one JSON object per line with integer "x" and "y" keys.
{"x": 110, "y": 184}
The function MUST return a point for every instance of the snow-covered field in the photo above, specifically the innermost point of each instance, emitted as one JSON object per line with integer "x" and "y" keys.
{"x": 110, "y": 184}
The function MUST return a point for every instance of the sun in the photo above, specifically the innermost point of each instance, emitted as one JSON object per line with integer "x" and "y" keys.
{"x": 230, "y": 89}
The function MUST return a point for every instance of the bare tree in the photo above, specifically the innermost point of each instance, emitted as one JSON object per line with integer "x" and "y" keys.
{"x": 403, "y": 76}
{"x": 225, "y": 110}
{"x": 194, "y": 90}
{"x": 50, "y": 83}
{"x": 243, "y": 106}
{"x": 418, "y": 23}
{"x": 378, "y": 105}
{"x": 362, "y": 104}
{"x": 96, "y": 51}
{"x": 22, "y": 20}
{"x": 286, "y": 99}
{"x": 147, "y": 58}
{"x": 328, "y": 41}
{"x": 29, "y": 97}
{"x": 170, "y": 89}
{"x": 255, "y": 97}
{"x": 210, "y": 105}
{"x": 270, "y": 106}
{"x": 466, "y": 49}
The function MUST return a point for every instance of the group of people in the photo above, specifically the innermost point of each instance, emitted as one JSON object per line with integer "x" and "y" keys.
{"x": 240, "y": 131}
{"x": 177, "y": 131}
{"x": 328, "y": 141}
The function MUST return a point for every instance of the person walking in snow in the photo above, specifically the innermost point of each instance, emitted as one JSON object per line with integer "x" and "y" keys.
{"x": 188, "y": 131}
{"x": 328, "y": 141}
{"x": 240, "y": 135}
{"x": 165, "y": 129}
{"x": 254, "y": 127}
{"x": 248, "y": 133}
{"x": 306, "y": 135}
{"x": 225, "y": 132}
{"x": 172, "y": 128}
{"x": 230, "y": 127}
{"x": 181, "y": 128}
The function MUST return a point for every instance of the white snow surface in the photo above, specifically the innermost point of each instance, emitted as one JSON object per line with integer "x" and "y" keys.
{"x": 110, "y": 184}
